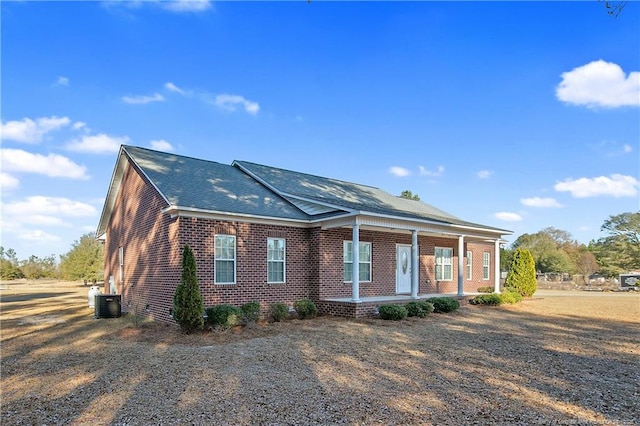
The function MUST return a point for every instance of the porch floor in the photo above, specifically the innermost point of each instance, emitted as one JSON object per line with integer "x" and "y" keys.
{"x": 397, "y": 297}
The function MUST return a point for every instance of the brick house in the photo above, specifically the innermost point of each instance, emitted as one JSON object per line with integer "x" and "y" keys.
{"x": 265, "y": 234}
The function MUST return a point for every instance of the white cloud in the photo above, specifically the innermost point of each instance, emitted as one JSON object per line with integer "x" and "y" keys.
{"x": 26, "y": 217}
{"x": 8, "y": 182}
{"x": 434, "y": 173}
{"x": 540, "y": 202}
{"x": 615, "y": 186}
{"x": 161, "y": 145}
{"x": 79, "y": 125}
{"x": 62, "y": 81}
{"x": 40, "y": 207}
{"x": 399, "y": 171}
{"x": 143, "y": 99}
{"x": 600, "y": 84}
{"x": 173, "y": 88}
{"x": 30, "y": 131}
{"x": 38, "y": 235}
{"x": 98, "y": 144}
{"x": 484, "y": 174}
{"x": 52, "y": 165}
{"x": 508, "y": 216}
{"x": 186, "y": 5}
{"x": 232, "y": 102}
{"x": 627, "y": 148}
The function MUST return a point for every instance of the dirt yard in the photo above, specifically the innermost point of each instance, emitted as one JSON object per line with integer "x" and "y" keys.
{"x": 559, "y": 358}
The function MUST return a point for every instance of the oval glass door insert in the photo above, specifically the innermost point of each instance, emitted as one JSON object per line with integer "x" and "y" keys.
{"x": 405, "y": 262}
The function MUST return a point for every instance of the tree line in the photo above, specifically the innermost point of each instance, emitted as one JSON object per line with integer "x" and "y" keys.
{"x": 553, "y": 250}
{"x": 84, "y": 261}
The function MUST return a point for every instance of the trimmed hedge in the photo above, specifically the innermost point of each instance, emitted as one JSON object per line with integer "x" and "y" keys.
{"x": 224, "y": 316}
{"x": 278, "y": 311}
{"x": 492, "y": 299}
{"x": 444, "y": 304}
{"x": 511, "y": 297}
{"x": 305, "y": 308}
{"x": 485, "y": 289}
{"x": 419, "y": 308}
{"x": 250, "y": 312}
{"x": 392, "y": 312}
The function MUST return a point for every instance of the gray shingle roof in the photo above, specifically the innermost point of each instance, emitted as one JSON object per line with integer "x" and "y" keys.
{"x": 207, "y": 185}
{"x": 348, "y": 195}
{"x": 247, "y": 188}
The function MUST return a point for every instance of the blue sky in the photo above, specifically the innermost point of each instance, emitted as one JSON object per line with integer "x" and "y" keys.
{"x": 517, "y": 115}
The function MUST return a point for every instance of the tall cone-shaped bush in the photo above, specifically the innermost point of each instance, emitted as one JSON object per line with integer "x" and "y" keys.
{"x": 522, "y": 273}
{"x": 188, "y": 305}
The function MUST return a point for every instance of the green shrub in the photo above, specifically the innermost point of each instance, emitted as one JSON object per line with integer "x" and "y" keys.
{"x": 419, "y": 308}
{"x": 427, "y": 307}
{"x": 250, "y": 312}
{"x": 522, "y": 273}
{"x": 278, "y": 311}
{"x": 492, "y": 299}
{"x": 187, "y": 300}
{"x": 392, "y": 312}
{"x": 485, "y": 289}
{"x": 305, "y": 308}
{"x": 444, "y": 304}
{"x": 224, "y": 316}
{"x": 511, "y": 297}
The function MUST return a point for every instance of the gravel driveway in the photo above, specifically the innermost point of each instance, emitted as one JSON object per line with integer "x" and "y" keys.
{"x": 559, "y": 358}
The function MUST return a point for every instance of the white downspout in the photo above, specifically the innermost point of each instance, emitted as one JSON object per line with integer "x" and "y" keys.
{"x": 415, "y": 266}
{"x": 460, "y": 265}
{"x": 355, "y": 268}
{"x": 496, "y": 267}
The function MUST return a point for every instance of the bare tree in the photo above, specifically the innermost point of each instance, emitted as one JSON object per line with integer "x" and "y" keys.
{"x": 614, "y": 8}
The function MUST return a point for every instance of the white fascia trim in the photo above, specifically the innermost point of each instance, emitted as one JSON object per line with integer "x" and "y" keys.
{"x": 493, "y": 231}
{"x": 177, "y": 211}
{"x": 436, "y": 223}
{"x": 401, "y": 223}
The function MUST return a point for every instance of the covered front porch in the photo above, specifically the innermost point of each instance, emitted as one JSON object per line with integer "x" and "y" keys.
{"x": 368, "y": 306}
{"x": 412, "y": 277}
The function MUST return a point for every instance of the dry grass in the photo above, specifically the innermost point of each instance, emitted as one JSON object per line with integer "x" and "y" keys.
{"x": 560, "y": 358}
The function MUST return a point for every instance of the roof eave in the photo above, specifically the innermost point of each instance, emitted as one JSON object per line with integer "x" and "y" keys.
{"x": 181, "y": 211}
{"x": 114, "y": 186}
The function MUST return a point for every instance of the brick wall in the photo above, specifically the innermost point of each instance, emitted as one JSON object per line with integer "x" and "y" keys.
{"x": 251, "y": 262}
{"x": 151, "y": 253}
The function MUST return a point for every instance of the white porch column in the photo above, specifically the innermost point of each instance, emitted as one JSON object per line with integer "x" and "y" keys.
{"x": 461, "y": 265}
{"x": 355, "y": 268}
{"x": 415, "y": 265}
{"x": 496, "y": 267}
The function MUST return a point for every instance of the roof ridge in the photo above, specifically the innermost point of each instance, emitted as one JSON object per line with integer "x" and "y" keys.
{"x": 307, "y": 174}
{"x": 174, "y": 154}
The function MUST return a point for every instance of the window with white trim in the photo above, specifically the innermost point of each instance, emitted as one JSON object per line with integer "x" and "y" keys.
{"x": 121, "y": 263}
{"x": 469, "y": 264}
{"x": 225, "y": 259}
{"x": 486, "y": 259}
{"x": 276, "y": 260}
{"x": 364, "y": 269}
{"x": 444, "y": 264}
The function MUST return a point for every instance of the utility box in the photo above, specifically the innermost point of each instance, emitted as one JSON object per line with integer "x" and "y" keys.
{"x": 108, "y": 306}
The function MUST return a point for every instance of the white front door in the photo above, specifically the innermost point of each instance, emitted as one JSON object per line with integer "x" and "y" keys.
{"x": 403, "y": 269}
